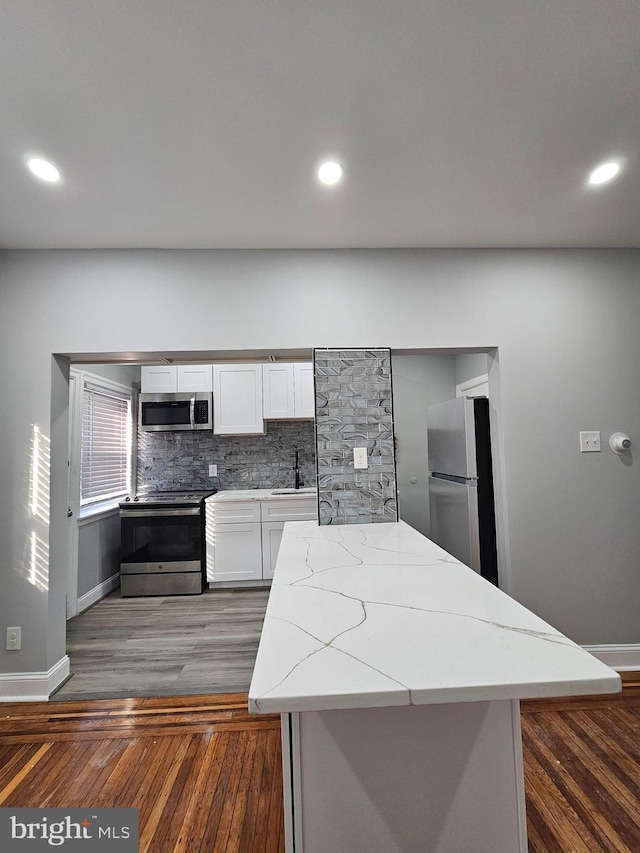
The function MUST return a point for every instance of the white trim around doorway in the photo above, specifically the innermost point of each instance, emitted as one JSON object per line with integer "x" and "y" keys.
{"x": 476, "y": 387}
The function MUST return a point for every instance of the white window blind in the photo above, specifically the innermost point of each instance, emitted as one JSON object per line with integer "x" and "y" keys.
{"x": 106, "y": 445}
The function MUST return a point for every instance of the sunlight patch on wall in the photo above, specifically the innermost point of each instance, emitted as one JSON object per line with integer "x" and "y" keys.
{"x": 38, "y": 563}
{"x": 35, "y": 566}
{"x": 39, "y": 475}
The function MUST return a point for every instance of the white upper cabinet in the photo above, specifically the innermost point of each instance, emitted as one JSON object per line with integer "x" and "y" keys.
{"x": 304, "y": 393}
{"x": 195, "y": 377}
{"x": 159, "y": 379}
{"x": 288, "y": 391}
{"x": 172, "y": 378}
{"x": 244, "y": 394}
{"x": 277, "y": 390}
{"x": 237, "y": 399}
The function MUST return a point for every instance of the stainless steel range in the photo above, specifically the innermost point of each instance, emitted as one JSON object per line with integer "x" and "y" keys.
{"x": 162, "y": 550}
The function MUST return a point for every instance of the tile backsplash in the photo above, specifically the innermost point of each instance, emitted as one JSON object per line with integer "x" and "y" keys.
{"x": 354, "y": 409}
{"x": 170, "y": 461}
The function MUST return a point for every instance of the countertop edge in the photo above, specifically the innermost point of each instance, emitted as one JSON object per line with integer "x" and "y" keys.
{"x": 343, "y": 594}
{"x": 445, "y": 696}
{"x": 228, "y": 496}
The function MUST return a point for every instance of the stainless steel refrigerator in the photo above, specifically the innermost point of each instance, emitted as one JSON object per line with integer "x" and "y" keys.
{"x": 461, "y": 500}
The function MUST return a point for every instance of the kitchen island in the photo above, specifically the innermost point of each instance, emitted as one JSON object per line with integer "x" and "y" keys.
{"x": 398, "y": 673}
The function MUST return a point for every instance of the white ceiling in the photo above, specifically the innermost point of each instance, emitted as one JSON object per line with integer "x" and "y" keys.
{"x": 199, "y": 123}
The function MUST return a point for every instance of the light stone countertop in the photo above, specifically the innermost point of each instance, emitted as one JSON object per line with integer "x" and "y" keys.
{"x": 261, "y": 495}
{"x": 377, "y": 615}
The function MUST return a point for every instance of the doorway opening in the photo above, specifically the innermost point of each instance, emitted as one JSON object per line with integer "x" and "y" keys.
{"x": 420, "y": 378}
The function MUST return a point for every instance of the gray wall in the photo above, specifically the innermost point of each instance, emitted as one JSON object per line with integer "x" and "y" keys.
{"x": 564, "y": 322}
{"x": 98, "y": 551}
{"x": 469, "y": 365}
{"x": 419, "y": 381}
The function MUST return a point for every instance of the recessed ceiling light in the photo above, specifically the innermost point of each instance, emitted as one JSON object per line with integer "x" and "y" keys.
{"x": 44, "y": 170}
{"x": 330, "y": 172}
{"x": 604, "y": 172}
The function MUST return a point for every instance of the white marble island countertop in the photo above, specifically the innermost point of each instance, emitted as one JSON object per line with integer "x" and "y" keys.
{"x": 377, "y": 615}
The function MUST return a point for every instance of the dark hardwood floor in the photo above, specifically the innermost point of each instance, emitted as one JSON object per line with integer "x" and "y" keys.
{"x": 165, "y": 646}
{"x": 582, "y": 772}
{"x": 205, "y": 775}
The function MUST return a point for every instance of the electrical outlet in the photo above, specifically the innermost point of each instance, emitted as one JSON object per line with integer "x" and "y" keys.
{"x": 14, "y": 639}
{"x": 360, "y": 457}
{"x": 213, "y": 470}
{"x": 590, "y": 441}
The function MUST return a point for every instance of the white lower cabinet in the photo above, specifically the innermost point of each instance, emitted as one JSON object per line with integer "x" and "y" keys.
{"x": 271, "y": 536}
{"x": 237, "y": 553}
{"x": 243, "y": 537}
{"x": 234, "y": 541}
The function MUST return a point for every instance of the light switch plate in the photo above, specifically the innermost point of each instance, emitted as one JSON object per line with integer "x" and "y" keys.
{"x": 213, "y": 470}
{"x": 590, "y": 441}
{"x": 360, "y": 457}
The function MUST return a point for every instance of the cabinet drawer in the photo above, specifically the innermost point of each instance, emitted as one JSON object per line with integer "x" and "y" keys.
{"x": 234, "y": 512}
{"x": 299, "y": 509}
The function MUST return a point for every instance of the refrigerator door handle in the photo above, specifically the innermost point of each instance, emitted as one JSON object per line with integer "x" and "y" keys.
{"x": 453, "y": 478}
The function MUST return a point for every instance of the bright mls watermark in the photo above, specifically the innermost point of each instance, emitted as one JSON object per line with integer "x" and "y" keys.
{"x": 36, "y": 830}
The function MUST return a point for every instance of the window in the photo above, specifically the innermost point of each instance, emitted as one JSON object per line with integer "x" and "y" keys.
{"x": 105, "y": 454}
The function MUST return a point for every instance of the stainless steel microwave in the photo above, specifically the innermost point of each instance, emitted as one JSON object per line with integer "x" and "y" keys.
{"x": 164, "y": 412}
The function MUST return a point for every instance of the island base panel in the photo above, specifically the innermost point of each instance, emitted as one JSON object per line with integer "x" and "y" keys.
{"x": 430, "y": 778}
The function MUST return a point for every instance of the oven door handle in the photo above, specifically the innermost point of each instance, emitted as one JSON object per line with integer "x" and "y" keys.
{"x": 158, "y": 513}
{"x": 192, "y": 411}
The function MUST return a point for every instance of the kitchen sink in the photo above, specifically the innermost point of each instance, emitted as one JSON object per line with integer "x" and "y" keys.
{"x": 306, "y": 491}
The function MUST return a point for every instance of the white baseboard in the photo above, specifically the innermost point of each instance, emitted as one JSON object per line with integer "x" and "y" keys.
{"x": 238, "y": 584}
{"x": 94, "y": 595}
{"x": 33, "y": 686}
{"x": 620, "y": 658}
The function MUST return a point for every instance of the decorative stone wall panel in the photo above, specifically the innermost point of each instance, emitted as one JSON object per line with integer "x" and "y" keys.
{"x": 354, "y": 409}
{"x": 170, "y": 461}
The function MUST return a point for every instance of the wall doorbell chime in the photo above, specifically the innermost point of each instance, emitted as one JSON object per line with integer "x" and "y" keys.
{"x": 620, "y": 443}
